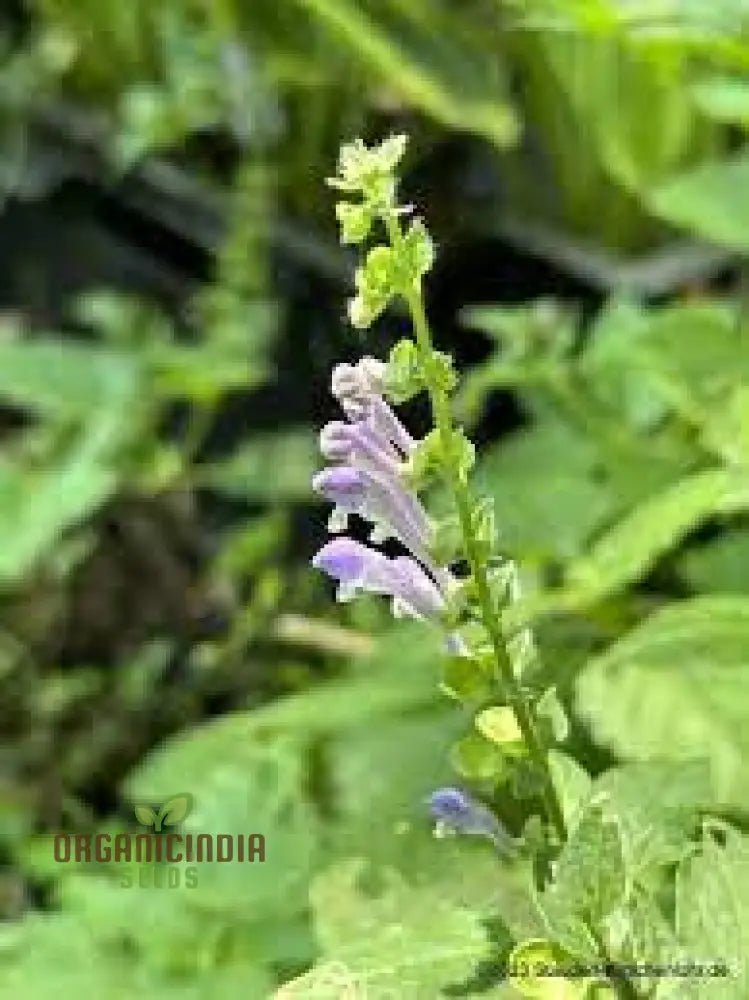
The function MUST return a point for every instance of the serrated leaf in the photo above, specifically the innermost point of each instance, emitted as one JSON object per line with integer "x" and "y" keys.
{"x": 712, "y": 913}
{"x": 656, "y": 803}
{"x": 674, "y": 688}
{"x": 403, "y": 377}
{"x": 401, "y": 940}
{"x": 590, "y": 880}
{"x": 546, "y": 497}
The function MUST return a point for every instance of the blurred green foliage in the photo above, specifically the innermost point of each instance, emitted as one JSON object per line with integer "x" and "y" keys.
{"x": 624, "y": 496}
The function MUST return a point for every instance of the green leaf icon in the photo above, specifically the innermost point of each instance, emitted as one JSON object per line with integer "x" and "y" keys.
{"x": 175, "y": 810}
{"x": 145, "y": 815}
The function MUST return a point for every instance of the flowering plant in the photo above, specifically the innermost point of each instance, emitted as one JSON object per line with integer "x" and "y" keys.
{"x": 591, "y": 847}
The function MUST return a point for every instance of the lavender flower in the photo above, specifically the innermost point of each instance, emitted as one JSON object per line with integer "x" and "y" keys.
{"x": 358, "y": 568}
{"x": 376, "y": 497}
{"x": 370, "y": 450}
{"x": 456, "y": 812}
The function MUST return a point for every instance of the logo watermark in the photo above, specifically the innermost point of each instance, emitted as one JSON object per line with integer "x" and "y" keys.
{"x": 164, "y": 858}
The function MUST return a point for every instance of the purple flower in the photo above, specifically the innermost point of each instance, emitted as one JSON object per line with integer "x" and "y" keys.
{"x": 455, "y": 811}
{"x": 379, "y": 499}
{"x": 357, "y": 568}
{"x": 371, "y": 449}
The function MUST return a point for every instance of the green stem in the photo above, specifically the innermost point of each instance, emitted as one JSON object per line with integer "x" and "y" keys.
{"x": 464, "y": 505}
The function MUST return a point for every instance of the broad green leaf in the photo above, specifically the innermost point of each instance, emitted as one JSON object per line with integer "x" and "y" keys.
{"x": 241, "y": 786}
{"x": 726, "y": 431}
{"x": 656, "y": 803}
{"x": 590, "y": 879}
{"x": 56, "y": 954}
{"x": 699, "y": 201}
{"x": 64, "y": 379}
{"x": 712, "y": 913}
{"x": 398, "y": 941}
{"x": 380, "y": 792}
{"x": 546, "y": 497}
{"x": 276, "y": 467}
{"x": 627, "y": 551}
{"x": 674, "y": 688}
{"x": 651, "y": 939}
{"x": 37, "y": 506}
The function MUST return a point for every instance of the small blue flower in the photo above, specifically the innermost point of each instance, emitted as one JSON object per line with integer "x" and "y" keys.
{"x": 456, "y": 812}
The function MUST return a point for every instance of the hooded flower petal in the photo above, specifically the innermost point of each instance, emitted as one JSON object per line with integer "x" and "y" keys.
{"x": 378, "y": 498}
{"x": 358, "y": 568}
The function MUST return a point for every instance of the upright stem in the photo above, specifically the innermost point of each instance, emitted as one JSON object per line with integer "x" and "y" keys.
{"x": 464, "y": 505}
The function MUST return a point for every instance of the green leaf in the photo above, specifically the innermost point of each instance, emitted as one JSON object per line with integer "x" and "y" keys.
{"x": 466, "y": 679}
{"x": 698, "y": 201}
{"x": 242, "y": 786}
{"x": 651, "y": 939}
{"x": 712, "y": 913}
{"x": 415, "y": 255}
{"x": 573, "y": 786}
{"x": 403, "y": 377}
{"x": 725, "y": 99}
{"x": 674, "y": 688}
{"x": 499, "y": 725}
{"x": 448, "y": 83}
{"x": 38, "y": 506}
{"x": 64, "y": 379}
{"x": 590, "y": 880}
{"x": 546, "y": 497}
{"x": 656, "y": 803}
{"x": 400, "y": 941}
{"x": 271, "y": 466}
{"x": 726, "y": 430}
{"x": 478, "y": 759}
{"x": 628, "y": 550}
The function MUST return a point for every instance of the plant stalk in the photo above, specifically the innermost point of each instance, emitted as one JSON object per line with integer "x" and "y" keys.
{"x": 463, "y": 503}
